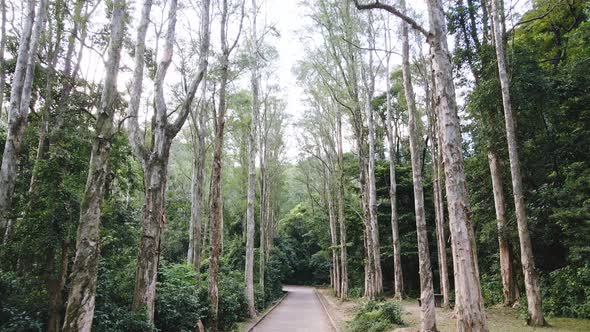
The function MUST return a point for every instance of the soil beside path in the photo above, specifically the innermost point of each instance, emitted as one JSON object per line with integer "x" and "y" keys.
{"x": 300, "y": 311}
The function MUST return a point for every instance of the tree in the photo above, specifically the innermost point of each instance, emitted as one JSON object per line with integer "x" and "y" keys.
{"x": 251, "y": 198}
{"x": 20, "y": 98}
{"x": 531, "y": 280}
{"x": 427, "y": 314}
{"x": 154, "y": 158}
{"x": 398, "y": 278}
{"x": 216, "y": 197}
{"x": 81, "y": 300}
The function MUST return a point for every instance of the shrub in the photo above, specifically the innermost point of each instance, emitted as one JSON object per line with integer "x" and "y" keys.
{"x": 355, "y": 292}
{"x": 491, "y": 287}
{"x": 566, "y": 292}
{"x": 392, "y": 312}
{"x": 376, "y": 317}
{"x": 180, "y": 300}
{"x": 233, "y": 306}
{"x": 22, "y": 303}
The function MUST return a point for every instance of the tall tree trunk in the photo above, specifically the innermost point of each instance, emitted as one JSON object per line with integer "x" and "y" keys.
{"x": 198, "y": 181}
{"x": 2, "y": 49}
{"x": 20, "y": 98}
{"x": 341, "y": 215}
{"x": 154, "y": 219}
{"x": 372, "y": 189}
{"x": 368, "y": 238}
{"x": 81, "y": 300}
{"x": 509, "y": 288}
{"x": 437, "y": 192}
{"x": 469, "y": 307}
{"x": 216, "y": 204}
{"x": 398, "y": 277}
{"x": 53, "y": 56}
{"x": 372, "y": 197}
{"x": 427, "y": 314}
{"x": 531, "y": 279}
{"x": 333, "y": 230}
{"x": 250, "y": 210}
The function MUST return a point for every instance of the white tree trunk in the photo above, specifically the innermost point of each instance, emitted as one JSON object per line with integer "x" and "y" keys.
{"x": 531, "y": 279}
{"x": 2, "y": 49}
{"x": 509, "y": 288}
{"x": 20, "y": 98}
{"x": 341, "y": 215}
{"x": 469, "y": 307}
{"x": 427, "y": 314}
{"x": 81, "y": 300}
{"x": 198, "y": 182}
{"x": 250, "y": 211}
{"x": 398, "y": 277}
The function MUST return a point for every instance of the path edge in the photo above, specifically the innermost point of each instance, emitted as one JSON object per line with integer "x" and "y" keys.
{"x": 321, "y": 299}
{"x": 260, "y": 318}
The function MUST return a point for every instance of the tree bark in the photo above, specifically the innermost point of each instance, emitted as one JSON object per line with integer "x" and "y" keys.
{"x": 251, "y": 198}
{"x": 81, "y": 300}
{"x": 531, "y": 279}
{"x": 435, "y": 151}
{"x": 336, "y": 284}
{"x": 427, "y": 314}
{"x": 2, "y": 49}
{"x": 341, "y": 215}
{"x": 198, "y": 181}
{"x": 469, "y": 307}
{"x": 398, "y": 279}
{"x": 20, "y": 98}
{"x": 216, "y": 198}
{"x": 509, "y": 289}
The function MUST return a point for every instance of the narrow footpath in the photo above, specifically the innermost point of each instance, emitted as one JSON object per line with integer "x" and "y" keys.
{"x": 300, "y": 311}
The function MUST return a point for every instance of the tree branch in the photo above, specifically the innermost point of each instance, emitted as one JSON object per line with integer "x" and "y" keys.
{"x": 410, "y": 21}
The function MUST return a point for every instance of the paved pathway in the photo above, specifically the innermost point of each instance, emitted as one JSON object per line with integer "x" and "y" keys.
{"x": 301, "y": 311}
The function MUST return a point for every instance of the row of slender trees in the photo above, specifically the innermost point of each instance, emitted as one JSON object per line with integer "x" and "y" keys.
{"x": 340, "y": 78}
{"x": 150, "y": 134}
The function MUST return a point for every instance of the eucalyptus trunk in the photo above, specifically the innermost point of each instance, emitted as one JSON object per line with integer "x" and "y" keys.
{"x": 251, "y": 198}
{"x": 469, "y": 308}
{"x": 427, "y": 309}
{"x": 2, "y": 49}
{"x": 81, "y": 300}
{"x": 341, "y": 215}
{"x": 527, "y": 259}
{"x": 20, "y": 98}
{"x": 509, "y": 288}
{"x": 216, "y": 212}
{"x": 398, "y": 277}
{"x": 437, "y": 192}
{"x": 198, "y": 181}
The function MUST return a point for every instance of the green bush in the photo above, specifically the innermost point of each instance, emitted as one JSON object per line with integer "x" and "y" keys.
{"x": 376, "y": 317}
{"x": 566, "y": 292}
{"x": 180, "y": 300}
{"x": 491, "y": 287}
{"x": 22, "y": 303}
{"x": 233, "y": 306}
{"x": 392, "y": 312}
{"x": 355, "y": 292}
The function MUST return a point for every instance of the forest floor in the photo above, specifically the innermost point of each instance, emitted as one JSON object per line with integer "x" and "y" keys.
{"x": 499, "y": 318}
